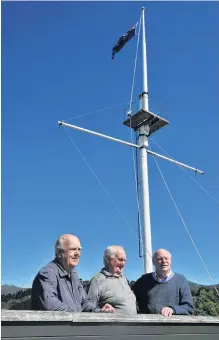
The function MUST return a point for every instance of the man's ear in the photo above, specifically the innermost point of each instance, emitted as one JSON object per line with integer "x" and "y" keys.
{"x": 59, "y": 254}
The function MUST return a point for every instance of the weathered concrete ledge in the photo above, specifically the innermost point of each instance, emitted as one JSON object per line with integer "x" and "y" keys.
{"x": 36, "y": 325}
{"x": 41, "y": 316}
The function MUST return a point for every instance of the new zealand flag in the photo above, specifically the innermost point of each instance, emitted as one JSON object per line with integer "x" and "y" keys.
{"x": 123, "y": 40}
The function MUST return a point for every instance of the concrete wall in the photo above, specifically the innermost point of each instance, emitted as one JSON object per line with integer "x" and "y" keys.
{"x": 31, "y": 325}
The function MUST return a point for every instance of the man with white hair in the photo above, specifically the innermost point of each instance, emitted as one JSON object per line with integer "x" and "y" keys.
{"x": 110, "y": 285}
{"x": 57, "y": 286}
{"x": 163, "y": 292}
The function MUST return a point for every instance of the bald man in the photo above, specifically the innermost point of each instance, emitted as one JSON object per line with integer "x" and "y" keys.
{"x": 57, "y": 286}
{"x": 163, "y": 292}
{"x": 110, "y": 285}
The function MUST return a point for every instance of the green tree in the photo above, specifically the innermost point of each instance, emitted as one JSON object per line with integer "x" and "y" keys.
{"x": 207, "y": 303}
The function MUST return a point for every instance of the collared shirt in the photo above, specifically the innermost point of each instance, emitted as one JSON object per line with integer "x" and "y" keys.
{"x": 164, "y": 279}
{"x": 53, "y": 289}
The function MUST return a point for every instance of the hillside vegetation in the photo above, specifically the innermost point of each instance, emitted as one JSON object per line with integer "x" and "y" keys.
{"x": 206, "y": 300}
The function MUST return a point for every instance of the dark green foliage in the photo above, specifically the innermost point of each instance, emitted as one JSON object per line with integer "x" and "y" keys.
{"x": 207, "y": 302}
{"x": 206, "y": 299}
{"x": 6, "y": 297}
{"x": 19, "y": 300}
{"x": 18, "y": 304}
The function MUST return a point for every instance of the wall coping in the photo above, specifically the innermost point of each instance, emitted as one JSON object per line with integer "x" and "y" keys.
{"x": 47, "y": 316}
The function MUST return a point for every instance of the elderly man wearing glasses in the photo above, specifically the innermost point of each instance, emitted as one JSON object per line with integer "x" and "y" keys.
{"x": 163, "y": 292}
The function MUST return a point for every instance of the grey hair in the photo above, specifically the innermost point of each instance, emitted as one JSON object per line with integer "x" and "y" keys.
{"x": 154, "y": 257}
{"x": 110, "y": 253}
{"x": 60, "y": 245}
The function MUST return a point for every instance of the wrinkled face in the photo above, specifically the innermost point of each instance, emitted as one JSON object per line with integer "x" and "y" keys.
{"x": 71, "y": 254}
{"x": 117, "y": 264}
{"x": 162, "y": 261}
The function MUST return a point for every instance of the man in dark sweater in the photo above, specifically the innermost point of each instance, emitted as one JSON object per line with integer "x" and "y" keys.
{"x": 163, "y": 292}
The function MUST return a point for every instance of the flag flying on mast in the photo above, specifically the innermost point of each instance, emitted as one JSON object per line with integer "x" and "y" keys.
{"x": 124, "y": 39}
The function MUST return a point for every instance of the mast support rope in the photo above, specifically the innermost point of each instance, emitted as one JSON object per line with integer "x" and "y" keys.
{"x": 194, "y": 180}
{"x": 95, "y": 111}
{"x": 100, "y": 183}
{"x": 134, "y": 154}
{"x": 185, "y": 226}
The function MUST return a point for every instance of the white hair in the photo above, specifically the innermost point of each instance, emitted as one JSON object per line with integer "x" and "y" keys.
{"x": 154, "y": 257}
{"x": 60, "y": 245}
{"x": 110, "y": 253}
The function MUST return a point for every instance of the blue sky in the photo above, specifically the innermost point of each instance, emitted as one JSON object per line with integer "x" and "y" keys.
{"x": 56, "y": 64}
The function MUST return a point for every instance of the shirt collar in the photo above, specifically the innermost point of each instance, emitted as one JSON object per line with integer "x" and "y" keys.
{"x": 159, "y": 279}
{"x": 108, "y": 274}
{"x": 61, "y": 270}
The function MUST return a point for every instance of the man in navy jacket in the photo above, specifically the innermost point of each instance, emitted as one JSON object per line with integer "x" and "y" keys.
{"x": 57, "y": 286}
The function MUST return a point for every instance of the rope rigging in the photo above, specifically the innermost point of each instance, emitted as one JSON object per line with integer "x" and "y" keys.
{"x": 134, "y": 152}
{"x": 100, "y": 183}
{"x": 184, "y": 224}
{"x": 194, "y": 180}
{"x": 99, "y": 110}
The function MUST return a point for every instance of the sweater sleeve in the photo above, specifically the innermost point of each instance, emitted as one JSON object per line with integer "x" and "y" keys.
{"x": 185, "y": 306}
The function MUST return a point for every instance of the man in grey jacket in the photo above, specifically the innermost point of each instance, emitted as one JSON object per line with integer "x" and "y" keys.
{"x": 110, "y": 285}
{"x": 57, "y": 286}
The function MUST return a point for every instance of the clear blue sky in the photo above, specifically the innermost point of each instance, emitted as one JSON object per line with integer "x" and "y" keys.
{"x": 56, "y": 64}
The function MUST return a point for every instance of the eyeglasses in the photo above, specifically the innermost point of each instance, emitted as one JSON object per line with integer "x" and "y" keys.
{"x": 163, "y": 258}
